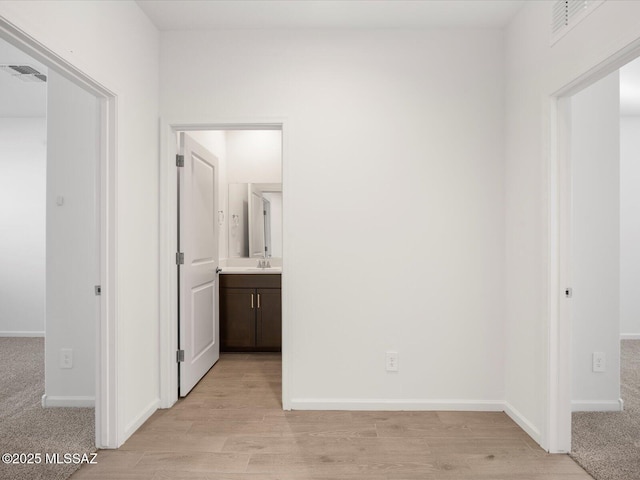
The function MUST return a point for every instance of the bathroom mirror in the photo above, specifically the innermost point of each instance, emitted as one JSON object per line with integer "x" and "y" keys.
{"x": 255, "y": 220}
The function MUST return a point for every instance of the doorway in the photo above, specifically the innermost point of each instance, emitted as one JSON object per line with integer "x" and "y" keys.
{"x": 603, "y": 266}
{"x": 582, "y": 369}
{"x": 101, "y": 245}
{"x": 256, "y": 149}
{"x": 51, "y": 262}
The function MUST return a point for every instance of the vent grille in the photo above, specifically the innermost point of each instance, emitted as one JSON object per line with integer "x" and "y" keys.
{"x": 566, "y": 14}
{"x": 26, "y": 73}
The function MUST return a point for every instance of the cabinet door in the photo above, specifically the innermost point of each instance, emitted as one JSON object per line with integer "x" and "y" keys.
{"x": 237, "y": 318}
{"x": 269, "y": 326}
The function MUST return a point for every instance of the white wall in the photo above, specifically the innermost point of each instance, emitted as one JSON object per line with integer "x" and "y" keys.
{"x": 254, "y": 156}
{"x": 630, "y": 227}
{"x": 595, "y": 170}
{"x": 117, "y": 45}
{"x": 22, "y": 225}
{"x": 535, "y": 70}
{"x": 441, "y": 292}
{"x": 72, "y": 260}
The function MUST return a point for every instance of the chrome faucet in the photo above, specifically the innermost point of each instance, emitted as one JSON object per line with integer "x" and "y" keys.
{"x": 264, "y": 263}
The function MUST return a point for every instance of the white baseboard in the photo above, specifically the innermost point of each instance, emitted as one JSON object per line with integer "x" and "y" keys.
{"x": 597, "y": 406}
{"x": 522, "y": 422}
{"x": 630, "y": 336}
{"x": 139, "y": 420}
{"x": 396, "y": 405}
{"x": 53, "y": 401}
{"x": 21, "y": 334}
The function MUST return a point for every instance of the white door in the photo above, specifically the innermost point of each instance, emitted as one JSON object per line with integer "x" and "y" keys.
{"x": 266, "y": 207}
{"x": 198, "y": 243}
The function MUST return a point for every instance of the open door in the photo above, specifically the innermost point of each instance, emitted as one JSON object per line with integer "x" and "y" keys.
{"x": 266, "y": 207}
{"x": 197, "y": 263}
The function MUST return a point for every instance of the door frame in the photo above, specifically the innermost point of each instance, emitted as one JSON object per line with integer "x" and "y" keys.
{"x": 109, "y": 427}
{"x": 168, "y": 277}
{"x": 556, "y": 435}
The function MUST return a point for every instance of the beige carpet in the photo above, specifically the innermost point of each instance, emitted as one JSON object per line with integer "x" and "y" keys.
{"x": 27, "y": 427}
{"x": 607, "y": 444}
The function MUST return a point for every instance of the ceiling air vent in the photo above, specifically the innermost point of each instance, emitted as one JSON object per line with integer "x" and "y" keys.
{"x": 566, "y": 14}
{"x": 26, "y": 73}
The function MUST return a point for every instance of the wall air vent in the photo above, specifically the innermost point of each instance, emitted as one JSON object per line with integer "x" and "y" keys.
{"x": 26, "y": 73}
{"x": 566, "y": 14}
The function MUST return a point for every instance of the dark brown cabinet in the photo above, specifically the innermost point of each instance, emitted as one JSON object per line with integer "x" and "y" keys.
{"x": 250, "y": 313}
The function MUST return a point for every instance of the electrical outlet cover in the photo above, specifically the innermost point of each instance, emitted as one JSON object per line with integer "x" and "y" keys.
{"x": 599, "y": 362}
{"x": 66, "y": 358}
{"x": 392, "y": 361}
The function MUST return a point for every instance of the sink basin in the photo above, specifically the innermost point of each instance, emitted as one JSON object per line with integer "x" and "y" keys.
{"x": 252, "y": 270}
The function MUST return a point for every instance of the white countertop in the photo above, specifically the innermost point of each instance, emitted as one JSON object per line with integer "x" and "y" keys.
{"x": 251, "y": 270}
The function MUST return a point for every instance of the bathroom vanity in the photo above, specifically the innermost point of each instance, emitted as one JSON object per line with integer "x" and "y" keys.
{"x": 250, "y": 294}
{"x": 250, "y": 310}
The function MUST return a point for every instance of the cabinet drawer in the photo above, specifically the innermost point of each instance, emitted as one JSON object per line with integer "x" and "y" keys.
{"x": 250, "y": 281}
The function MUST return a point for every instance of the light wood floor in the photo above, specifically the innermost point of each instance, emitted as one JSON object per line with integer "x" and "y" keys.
{"x": 232, "y": 427}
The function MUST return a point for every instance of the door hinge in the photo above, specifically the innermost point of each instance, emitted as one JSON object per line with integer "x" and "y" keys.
{"x": 180, "y": 356}
{"x": 179, "y": 258}
{"x": 98, "y": 290}
{"x": 568, "y": 292}
{"x": 179, "y": 160}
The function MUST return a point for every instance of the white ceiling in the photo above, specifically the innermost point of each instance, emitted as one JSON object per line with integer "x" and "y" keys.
{"x": 223, "y": 14}
{"x": 18, "y": 98}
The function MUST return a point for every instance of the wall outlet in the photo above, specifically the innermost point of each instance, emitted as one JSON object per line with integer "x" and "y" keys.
{"x": 392, "y": 361}
{"x": 599, "y": 362}
{"x": 66, "y": 358}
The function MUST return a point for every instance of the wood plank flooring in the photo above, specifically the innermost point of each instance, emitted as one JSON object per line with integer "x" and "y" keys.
{"x": 232, "y": 427}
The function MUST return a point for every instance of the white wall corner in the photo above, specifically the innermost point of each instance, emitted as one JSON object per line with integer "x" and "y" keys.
{"x": 21, "y": 334}
{"x": 597, "y": 406}
{"x": 73, "y": 402}
{"x": 522, "y": 422}
{"x": 396, "y": 404}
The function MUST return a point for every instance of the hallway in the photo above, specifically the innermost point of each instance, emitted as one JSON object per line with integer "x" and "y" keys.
{"x": 232, "y": 427}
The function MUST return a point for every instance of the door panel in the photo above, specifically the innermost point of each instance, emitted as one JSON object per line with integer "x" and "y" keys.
{"x": 204, "y": 232}
{"x": 198, "y": 241}
{"x": 203, "y": 334}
